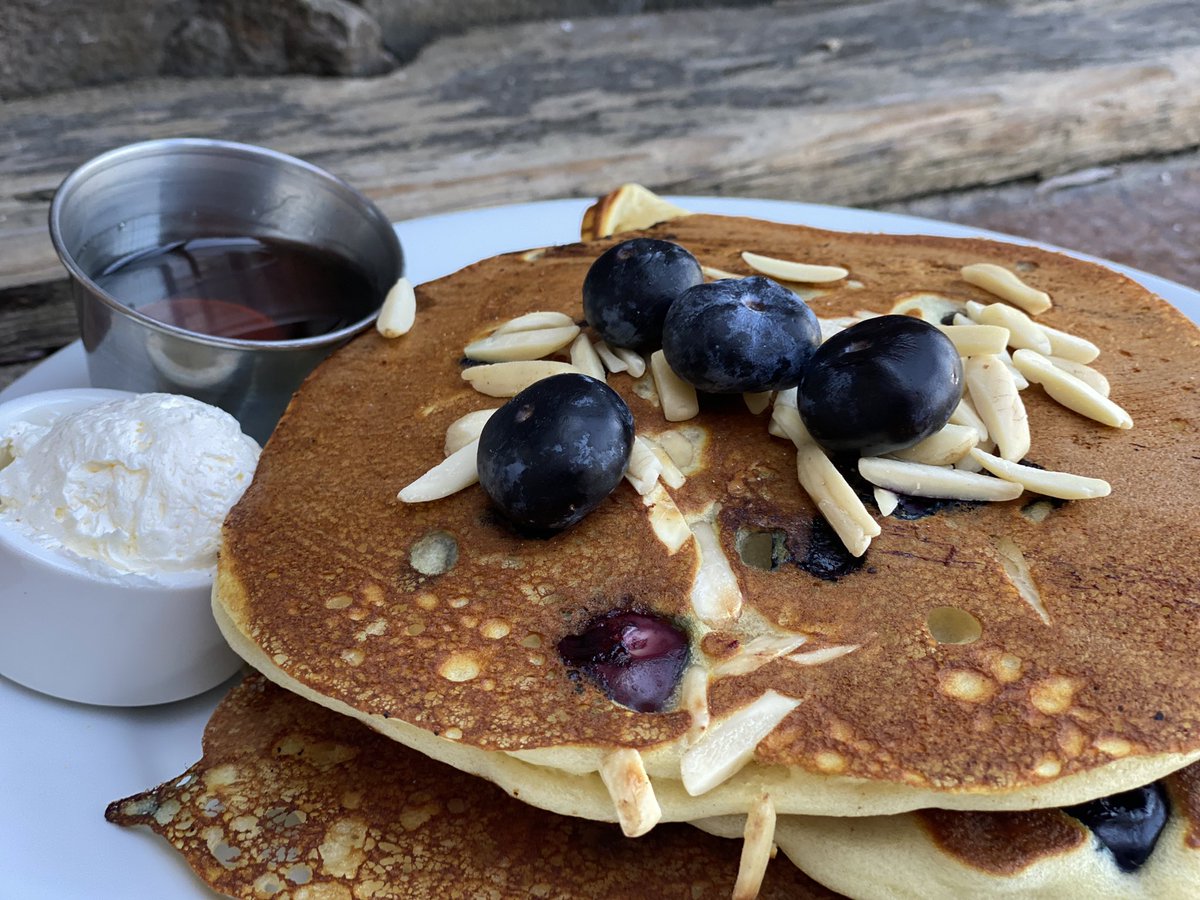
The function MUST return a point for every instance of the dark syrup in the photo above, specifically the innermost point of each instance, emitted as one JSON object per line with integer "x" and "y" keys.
{"x": 239, "y": 287}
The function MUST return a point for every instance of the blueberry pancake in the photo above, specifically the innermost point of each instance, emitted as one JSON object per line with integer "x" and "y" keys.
{"x": 1143, "y": 843}
{"x": 292, "y": 800}
{"x": 681, "y": 653}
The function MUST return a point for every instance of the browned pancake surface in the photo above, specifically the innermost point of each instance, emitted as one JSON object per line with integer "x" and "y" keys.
{"x": 315, "y": 565}
{"x": 293, "y": 800}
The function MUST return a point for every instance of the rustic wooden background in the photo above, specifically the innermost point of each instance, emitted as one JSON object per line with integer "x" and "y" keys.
{"x": 1077, "y": 123}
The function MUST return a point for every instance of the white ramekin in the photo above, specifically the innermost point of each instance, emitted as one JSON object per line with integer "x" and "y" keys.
{"x": 73, "y": 628}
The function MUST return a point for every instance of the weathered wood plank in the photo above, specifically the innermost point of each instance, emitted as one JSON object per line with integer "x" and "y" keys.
{"x": 858, "y": 104}
{"x": 1142, "y": 213}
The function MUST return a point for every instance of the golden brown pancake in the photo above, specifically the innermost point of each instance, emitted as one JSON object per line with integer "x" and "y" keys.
{"x": 932, "y": 854}
{"x": 317, "y": 588}
{"x": 290, "y": 799}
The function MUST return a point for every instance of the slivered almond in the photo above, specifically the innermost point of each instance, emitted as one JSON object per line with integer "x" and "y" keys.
{"x": 718, "y": 274}
{"x": 643, "y": 468}
{"x": 935, "y": 481}
{"x": 758, "y": 401}
{"x": 1069, "y": 346}
{"x": 693, "y": 699}
{"x": 1012, "y": 560}
{"x": 585, "y": 358}
{"x": 521, "y": 345}
{"x": 931, "y": 307}
{"x": 1018, "y": 379}
{"x": 996, "y": 398}
{"x": 976, "y": 340}
{"x": 1007, "y": 286}
{"x": 535, "y": 321}
{"x": 465, "y": 429}
{"x": 666, "y": 521}
{"x": 1063, "y": 485}
{"x": 1085, "y": 373}
{"x": 886, "y": 500}
{"x": 823, "y": 655}
{"x": 829, "y": 328}
{"x": 966, "y": 414}
{"x": 634, "y": 362}
{"x": 947, "y": 445}
{"x": 754, "y": 654}
{"x": 678, "y": 398}
{"x": 1070, "y": 391}
{"x": 624, "y": 774}
{"x": 715, "y": 595}
{"x": 507, "y": 379}
{"x": 399, "y": 310}
{"x": 729, "y": 743}
{"x": 1023, "y": 332}
{"x": 452, "y": 474}
{"x": 611, "y": 361}
{"x": 671, "y": 476}
{"x": 825, "y": 485}
{"x": 969, "y": 463}
{"x": 787, "y": 270}
{"x": 758, "y": 841}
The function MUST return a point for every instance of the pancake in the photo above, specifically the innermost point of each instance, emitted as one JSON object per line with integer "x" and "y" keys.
{"x": 290, "y": 799}
{"x": 935, "y": 854}
{"x": 1090, "y": 690}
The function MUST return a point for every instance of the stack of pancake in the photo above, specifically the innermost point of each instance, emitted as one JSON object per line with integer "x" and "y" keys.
{"x": 902, "y": 760}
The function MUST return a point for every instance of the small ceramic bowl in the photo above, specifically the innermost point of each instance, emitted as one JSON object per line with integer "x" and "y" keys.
{"x": 74, "y": 629}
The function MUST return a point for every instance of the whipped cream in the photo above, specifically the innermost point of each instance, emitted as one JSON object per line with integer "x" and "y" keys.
{"x": 140, "y": 484}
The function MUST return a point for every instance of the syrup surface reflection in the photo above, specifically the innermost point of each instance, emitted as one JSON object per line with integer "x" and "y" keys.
{"x": 241, "y": 287}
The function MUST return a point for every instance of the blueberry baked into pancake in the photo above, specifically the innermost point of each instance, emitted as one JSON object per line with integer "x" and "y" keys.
{"x": 924, "y": 539}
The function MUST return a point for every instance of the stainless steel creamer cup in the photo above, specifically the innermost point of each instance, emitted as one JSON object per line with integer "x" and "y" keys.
{"x": 153, "y": 194}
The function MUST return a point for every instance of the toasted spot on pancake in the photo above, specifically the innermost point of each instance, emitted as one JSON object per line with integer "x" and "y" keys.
{"x": 1114, "y": 746}
{"x": 1048, "y": 768}
{"x": 830, "y": 761}
{"x": 967, "y": 684}
{"x": 495, "y": 629}
{"x": 461, "y": 666}
{"x": 427, "y": 601}
{"x": 1071, "y": 739}
{"x": 1007, "y": 668}
{"x": 1053, "y": 696}
{"x": 950, "y": 625}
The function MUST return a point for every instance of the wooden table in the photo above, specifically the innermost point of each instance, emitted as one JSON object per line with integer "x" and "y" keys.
{"x": 1068, "y": 122}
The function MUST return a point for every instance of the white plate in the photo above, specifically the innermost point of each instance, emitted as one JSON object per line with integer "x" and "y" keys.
{"x": 61, "y": 763}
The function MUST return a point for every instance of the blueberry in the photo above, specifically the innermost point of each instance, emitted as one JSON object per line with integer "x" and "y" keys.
{"x": 629, "y": 289}
{"x": 635, "y": 658}
{"x": 740, "y": 334}
{"x": 552, "y": 453}
{"x": 881, "y": 385}
{"x": 1128, "y": 824}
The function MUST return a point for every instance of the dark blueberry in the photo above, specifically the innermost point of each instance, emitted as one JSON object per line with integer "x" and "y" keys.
{"x": 1128, "y": 824}
{"x": 552, "y": 453}
{"x": 629, "y": 289}
{"x": 740, "y": 334}
{"x": 826, "y": 556}
{"x": 881, "y": 385}
{"x": 635, "y": 658}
